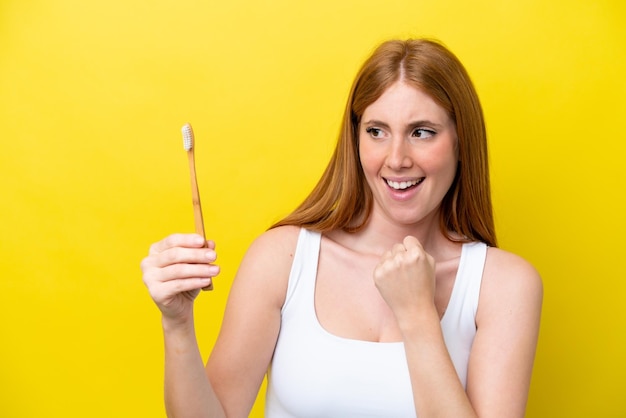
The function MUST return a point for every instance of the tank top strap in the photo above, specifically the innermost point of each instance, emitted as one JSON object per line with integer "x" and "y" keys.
{"x": 474, "y": 266}
{"x": 466, "y": 291}
{"x": 301, "y": 285}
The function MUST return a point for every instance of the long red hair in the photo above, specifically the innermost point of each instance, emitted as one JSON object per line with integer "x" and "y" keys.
{"x": 342, "y": 198}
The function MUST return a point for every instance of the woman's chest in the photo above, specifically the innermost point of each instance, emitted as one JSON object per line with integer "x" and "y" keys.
{"x": 348, "y": 304}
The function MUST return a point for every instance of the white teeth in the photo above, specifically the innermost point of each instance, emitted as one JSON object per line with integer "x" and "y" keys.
{"x": 403, "y": 184}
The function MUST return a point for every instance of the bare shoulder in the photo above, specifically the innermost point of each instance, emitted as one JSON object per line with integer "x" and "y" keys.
{"x": 509, "y": 281}
{"x": 509, "y": 268}
{"x": 278, "y": 244}
{"x": 267, "y": 262}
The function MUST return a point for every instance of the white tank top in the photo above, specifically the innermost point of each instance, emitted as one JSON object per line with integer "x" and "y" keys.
{"x": 317, "y": 374}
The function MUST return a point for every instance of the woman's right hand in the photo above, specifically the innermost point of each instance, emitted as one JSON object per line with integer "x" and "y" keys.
{"x": 175, "y": 270}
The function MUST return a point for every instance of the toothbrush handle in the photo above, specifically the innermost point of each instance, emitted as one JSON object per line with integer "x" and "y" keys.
{"x": 197, "y": 207}
{"x": 195, "y": 194}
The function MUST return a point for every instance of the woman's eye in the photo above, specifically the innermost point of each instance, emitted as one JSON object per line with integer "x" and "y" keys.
{"x": 423, "y": 133}
{"x": 374, "y": 132}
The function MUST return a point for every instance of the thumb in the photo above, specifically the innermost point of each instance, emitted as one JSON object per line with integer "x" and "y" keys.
{"x": 410, "y": 242}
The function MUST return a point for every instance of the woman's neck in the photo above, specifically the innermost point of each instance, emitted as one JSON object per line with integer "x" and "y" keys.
{"x": 379, "y": 235}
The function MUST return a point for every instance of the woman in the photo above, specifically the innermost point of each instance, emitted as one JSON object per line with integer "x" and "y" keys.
{"x": 384, "y": 293}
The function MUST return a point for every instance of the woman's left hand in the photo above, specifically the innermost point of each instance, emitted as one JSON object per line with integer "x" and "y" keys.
{"x": 405, "y": 277}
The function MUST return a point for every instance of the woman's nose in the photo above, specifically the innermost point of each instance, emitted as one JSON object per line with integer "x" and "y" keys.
{"x": 398, "y": 156}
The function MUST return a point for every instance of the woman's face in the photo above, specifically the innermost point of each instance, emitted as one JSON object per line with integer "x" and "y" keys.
{"x": 408, "y": 150}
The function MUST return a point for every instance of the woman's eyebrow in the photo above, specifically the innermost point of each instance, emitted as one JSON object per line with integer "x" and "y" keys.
{"x": 425, "y": 122}
{"x": 374, "y": 122}
{"x": 412, "y": 125}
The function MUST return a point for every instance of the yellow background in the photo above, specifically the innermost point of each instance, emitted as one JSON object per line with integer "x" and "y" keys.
{"x": 92, "y": 98}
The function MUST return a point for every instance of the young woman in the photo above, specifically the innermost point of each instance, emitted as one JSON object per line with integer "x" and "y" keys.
{"x": 383, "y": 294}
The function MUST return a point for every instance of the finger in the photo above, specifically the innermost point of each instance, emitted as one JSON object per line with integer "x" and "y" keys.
{"x": 411, "y": 242}
{"x": 178, "y": 255}
{"x": 414, "y": 248}
{"x": 177, "y": 240}
{"x": 166, "y": 291}
{"x": 187, "y": 271}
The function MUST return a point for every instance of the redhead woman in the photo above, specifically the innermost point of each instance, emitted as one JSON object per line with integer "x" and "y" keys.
{"x": 384, "y": 293}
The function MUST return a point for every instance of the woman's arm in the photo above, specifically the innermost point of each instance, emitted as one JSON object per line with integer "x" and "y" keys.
{"x": 188, "y": 392}
{"x": 508, "y": 317}
{"x": 228, "y": 385}
{"x": 503, "y": 351}
{"x": 175, "y": 270}
{"x": 249, "y": 331}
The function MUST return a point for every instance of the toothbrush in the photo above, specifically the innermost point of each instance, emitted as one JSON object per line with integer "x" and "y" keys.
{"x": 188, "y": 139}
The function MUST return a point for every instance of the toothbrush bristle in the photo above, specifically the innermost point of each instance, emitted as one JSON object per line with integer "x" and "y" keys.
{"x": 187, "y": 137}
